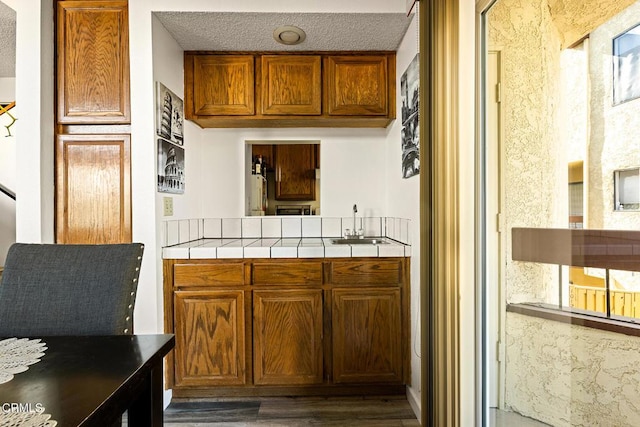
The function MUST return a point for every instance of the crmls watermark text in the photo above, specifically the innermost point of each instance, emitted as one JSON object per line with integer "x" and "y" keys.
{"x": 8, "y": 408}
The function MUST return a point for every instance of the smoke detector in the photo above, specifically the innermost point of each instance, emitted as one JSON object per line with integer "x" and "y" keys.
{"x": 289, "y": 35}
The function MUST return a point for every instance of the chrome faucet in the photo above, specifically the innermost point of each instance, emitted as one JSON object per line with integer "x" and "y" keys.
{"x": 354, "y": 232}
{"x": 355, "y": 210}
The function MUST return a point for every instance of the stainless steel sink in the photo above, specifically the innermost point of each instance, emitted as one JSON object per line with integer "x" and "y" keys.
{"x": 356, "y": 241}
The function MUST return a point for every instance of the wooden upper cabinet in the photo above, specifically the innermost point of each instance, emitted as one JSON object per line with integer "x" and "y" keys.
{"x": 93, "y": 62}
{"x": 291, "y": 84}
{"x": 219, "y": 85}
{"x": 93, "y": 189}
{"x": 295, "y": 171}
{"x": 357, "y": 85}
{"x": 319, "y": 89}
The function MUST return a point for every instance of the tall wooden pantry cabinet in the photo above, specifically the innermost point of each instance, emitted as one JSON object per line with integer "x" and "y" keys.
{"x": 93, "y": 141}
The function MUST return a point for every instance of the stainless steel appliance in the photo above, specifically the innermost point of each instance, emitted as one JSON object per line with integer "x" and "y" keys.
{"x": 293, "y": 210}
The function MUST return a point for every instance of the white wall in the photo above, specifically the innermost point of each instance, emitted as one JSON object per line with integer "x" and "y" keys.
{"x": 7, "y": 170}
{"x": 7, "y": 89}
{"x": 351, "y": 163}
{"x": 403, "y": 200}
{"x": 34, "y": 143}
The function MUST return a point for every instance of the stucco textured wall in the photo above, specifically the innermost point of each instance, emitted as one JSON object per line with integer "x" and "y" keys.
{"x": 614, "y": 128}
{"x": 561, "y": 374}
{"x": 613, "y": 138}
{"x": 567, "y": 375}
{"x": 530, "y": 52}
{"x": 577, "y": 18}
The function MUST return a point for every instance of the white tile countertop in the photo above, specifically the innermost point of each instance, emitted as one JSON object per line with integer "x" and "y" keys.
{"x": 283, "y": 248}
{"x": 282, "y": 237}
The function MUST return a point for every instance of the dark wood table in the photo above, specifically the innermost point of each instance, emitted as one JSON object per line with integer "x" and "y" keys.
{"x": 91, "y": 381}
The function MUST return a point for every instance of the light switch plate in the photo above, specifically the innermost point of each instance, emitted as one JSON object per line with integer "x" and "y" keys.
{"x": 167, "y": 203}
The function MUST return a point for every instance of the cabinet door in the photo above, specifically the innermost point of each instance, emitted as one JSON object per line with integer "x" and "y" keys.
{"x": 291, "y": 84}
{"x": 366, "y": 335}
{"x": 295, "y": 172}
{"x": 357, "y": 85}
{"x": 219, "y": 85}
{"x": 210, "y": 338}
{"x": 93, "y": 189}
{"x": 93, "y": 62}
{"x": 287, "y": 336}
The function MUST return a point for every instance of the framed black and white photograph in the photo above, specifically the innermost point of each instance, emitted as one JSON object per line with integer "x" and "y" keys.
{"x": 626, "y": 66}
{"x": 170, "y": 167}
{"x": 410, "y": 133}
{"x": 169, "y": 115}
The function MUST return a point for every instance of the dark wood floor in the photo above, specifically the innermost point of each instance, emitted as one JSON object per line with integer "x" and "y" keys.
{"x": 289, "y": 411}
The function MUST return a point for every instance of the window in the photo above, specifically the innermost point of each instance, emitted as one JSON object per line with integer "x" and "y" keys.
{"x": 627, "y": 189}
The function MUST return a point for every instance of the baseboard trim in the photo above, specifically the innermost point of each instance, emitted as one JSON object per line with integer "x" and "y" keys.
{"x": 300, "y": 391}
{"x": 414, "y": 401}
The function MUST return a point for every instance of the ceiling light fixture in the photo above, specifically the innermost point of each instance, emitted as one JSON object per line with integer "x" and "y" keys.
{"x": 289, "y": 35}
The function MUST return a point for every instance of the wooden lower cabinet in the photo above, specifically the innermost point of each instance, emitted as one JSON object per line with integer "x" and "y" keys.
{"x": 261, "y": 327}
{"x": 210, "y": 338}
{"x": 287, "y": 336}
{"x": 366, "y": 335}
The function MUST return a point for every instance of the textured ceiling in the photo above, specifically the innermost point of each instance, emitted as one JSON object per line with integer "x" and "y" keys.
{"x": 235, "y": 31}
{"x": 7, "y": 41}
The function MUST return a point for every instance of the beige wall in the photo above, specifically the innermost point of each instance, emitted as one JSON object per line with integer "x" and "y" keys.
{"x": 614, "y": 136}
{"x": 568, "y": 375}
{"x": 614, "y": 128}
{"x": 530, "y": 50}
{"x": 560, "y": 374}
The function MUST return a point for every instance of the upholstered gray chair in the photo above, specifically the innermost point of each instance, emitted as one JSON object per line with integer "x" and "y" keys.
{"x": 50, "y": 289}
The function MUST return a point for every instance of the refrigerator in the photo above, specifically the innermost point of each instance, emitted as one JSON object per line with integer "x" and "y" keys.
{"x": 258, "y": 195}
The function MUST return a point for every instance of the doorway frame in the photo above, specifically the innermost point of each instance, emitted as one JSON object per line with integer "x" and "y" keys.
{"x": 439, "y": 214}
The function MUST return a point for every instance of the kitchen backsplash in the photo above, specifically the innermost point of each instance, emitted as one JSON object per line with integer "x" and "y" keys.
{"x": 186, "y": 230}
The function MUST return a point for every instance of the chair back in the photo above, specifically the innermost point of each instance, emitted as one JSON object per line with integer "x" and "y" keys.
{"x": 61, "y": 289}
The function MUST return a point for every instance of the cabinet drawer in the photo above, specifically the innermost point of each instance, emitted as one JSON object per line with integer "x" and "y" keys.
{"x": 287, "y": 273}
{"x": 223, "y": 274}
{"x": 367, "y": 272}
